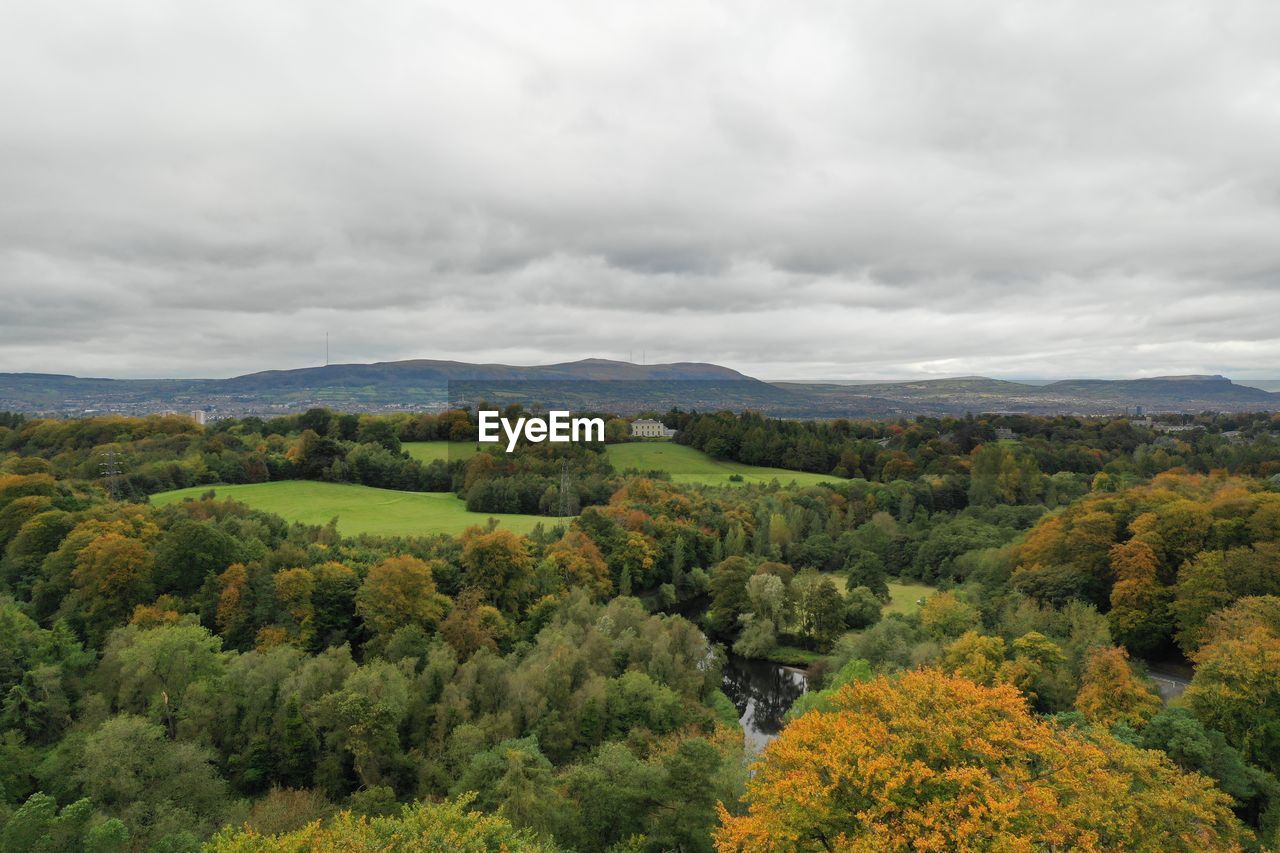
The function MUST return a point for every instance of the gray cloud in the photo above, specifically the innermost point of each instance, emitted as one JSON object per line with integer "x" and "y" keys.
{"x": 823, "y": 190}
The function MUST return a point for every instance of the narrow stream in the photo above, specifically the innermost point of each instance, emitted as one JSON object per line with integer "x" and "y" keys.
{"x": 762, "y": 692}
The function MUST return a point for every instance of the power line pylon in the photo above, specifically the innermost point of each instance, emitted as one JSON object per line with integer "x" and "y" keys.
{"x": 110, "y": 469}
{"x": 564, "y": 489}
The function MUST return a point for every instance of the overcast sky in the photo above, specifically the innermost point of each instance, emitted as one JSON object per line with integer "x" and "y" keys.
{"x": 852, "y": 189}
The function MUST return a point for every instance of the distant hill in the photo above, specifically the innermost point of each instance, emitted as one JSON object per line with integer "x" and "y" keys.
{"x": 1161, "y": 391}
{"x": 400, "y": 373}
{"x": 1263, "y": 384}
{"x": 623, "y": 387}
{"x": 415, "y": 385}
{"x": 1084, "y": 396}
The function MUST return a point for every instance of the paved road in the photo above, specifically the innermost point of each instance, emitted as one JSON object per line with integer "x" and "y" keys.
{"x": 1170, "y": 686}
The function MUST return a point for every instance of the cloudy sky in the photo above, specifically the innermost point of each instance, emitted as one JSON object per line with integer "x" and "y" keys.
{"x": 846, "y": 189}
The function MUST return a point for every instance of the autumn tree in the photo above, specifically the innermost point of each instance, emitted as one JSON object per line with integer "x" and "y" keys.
{"x": 473, "y": 624}
{"x": 1212, "y": 580}
{"x": 293, "y": 590}
{"x": 945, "y": 615}
{"x": 421, "y": 826}
{"x": 1139, "y": 616}
{"x": 1110, "y": 693}
{"x": 634, "y": 560}
{"x": 1236, "y": 687}
{"x": 333, "y": 594}
{"x": 498, "y": 562}
{"x": 579, "y": 562}
{"x": 112, "y": 574}
{"x": 399, "y": 591}
{"x": 928, "y": 761}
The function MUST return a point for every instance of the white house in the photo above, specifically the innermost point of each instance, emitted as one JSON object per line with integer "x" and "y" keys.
{"x": 647, "y": 428}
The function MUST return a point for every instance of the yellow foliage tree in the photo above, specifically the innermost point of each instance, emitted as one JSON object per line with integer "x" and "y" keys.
{"x": 932, "y": 762}
{"x": 397, "y": 592}
{"x": 1110, "y": 693}
{"x": 422, "y": 826}
{"x": 498, "y": 562}
{"x": 580, "y": 563}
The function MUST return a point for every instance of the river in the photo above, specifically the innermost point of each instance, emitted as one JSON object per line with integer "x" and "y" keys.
{"x": 762, "y": 692}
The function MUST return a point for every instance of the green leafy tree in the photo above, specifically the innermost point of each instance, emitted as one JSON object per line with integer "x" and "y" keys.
{"x": 862, "y": 608}
{"x": 157, "y": 787}
{"x": 191, "y": 551}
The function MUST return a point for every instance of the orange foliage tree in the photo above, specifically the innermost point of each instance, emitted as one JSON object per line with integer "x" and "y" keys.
{"x": 932, "y": 762}
{"x": 579, "y": 563}
{"x": 1110, "y": 693}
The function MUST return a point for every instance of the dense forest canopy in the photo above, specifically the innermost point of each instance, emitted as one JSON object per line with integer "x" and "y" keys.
{"x": 205, "y": 673}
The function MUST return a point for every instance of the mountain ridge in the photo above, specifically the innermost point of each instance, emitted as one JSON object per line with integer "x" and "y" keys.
{"x": 415, "y": 384}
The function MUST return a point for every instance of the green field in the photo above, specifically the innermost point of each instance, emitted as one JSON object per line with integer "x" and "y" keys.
{"x": 359, "y": 509}
{"x": 430, "y": 451}
{"x": 687, "y": 465}
{"x": 684, "y": 464}
{"x": 903, "y": 597}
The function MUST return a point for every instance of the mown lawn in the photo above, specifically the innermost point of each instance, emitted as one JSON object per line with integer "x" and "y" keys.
{"x": 903, "y": 597}
{"x": 429, "y": 451}
{"x": 687, "y": 465}
{"x": 684, "y": 464}
{"x": 359, "y": 509}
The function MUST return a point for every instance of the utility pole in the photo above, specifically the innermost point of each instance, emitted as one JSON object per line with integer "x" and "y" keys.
{"x": 110, "y": 468}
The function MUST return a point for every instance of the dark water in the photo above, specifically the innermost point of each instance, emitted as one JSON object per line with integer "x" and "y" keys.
{"x": 762, "y": 692}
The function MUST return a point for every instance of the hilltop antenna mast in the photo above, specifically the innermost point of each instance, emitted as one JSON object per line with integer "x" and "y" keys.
{"x": 326, "y": 349}
{"x": 110, "y": 468}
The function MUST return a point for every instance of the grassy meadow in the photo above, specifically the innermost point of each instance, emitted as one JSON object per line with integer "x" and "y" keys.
{"x": 384, "y": 512}
{"x": 903, "y": 597}
{"x": 684, "y": 464}
{"x": 359, "y": 509}
{"x": 687, "y": 465}
{"x": 430, "y": 451}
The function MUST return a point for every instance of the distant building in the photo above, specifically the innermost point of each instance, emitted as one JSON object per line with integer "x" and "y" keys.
{"x": 1156, "y": 426}
{"x": 648, "y": 428}
{"x": 1137, "y": 411}
{"x": 1005, "y": 434}
{"x": 198, "y": 416}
